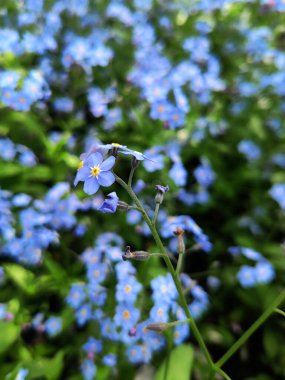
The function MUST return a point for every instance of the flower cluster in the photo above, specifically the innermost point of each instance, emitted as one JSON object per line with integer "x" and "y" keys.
{"x": 248, "y": 276}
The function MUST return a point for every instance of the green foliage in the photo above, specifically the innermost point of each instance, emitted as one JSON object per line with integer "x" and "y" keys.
{"x": 178, "y": 364}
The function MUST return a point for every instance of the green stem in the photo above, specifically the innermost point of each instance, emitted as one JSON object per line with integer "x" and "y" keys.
{"x": 212, "y": 374}
{"x": 225, "y": 376}
{"x": 155, "y": 213}
{"x": 180, "y": 263}
{"x": 278, "y": 300}
{"x": 171, "y": 269}
{"x": 281, "y": 312}
{"x": 131, "y": 177}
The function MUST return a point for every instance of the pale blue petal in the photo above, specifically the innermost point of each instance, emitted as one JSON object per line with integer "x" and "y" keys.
{"x": 94, "y": 159}
{"x": 91, "y": 186}
{"x": 106, "y": 178}
{"x": 81, "y": 175}
{"x": 108, "y": 164}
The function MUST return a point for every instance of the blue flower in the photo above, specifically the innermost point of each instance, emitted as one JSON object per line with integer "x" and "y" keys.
{"x": 277, "y": 192}
{"x": 178, "y": 174}
{"x": 247, "y": 276}
{"x": 204, "y": 174}
{"x": 164, "y": 288}
{"x": 95, "y": 173}
{"x": 76, "y": 295}
{"x": 88, "y": 369}
{"x": 21, "y": 200}
{"x": 249, "y": 149}
{"x": 110, "y": 205}
{"x": 21, "y": 375}
{"x": 126, "y": 316}
{"x": 128, "y": 289}
{"x": 83, "y": 314}
{"x": 159, "y": 312}
{"x": 265, "y": 272}
{"x": 110, "y": 360}
{"x": 92, "y": 345}
{"x": 180, "y": 333}
{"x": 53, "y": 326}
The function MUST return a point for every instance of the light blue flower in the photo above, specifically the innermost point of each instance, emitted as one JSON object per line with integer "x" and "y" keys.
{"x": 95, "y": 173}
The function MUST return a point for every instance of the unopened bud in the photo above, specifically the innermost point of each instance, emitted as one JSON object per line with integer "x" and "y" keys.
{"x": 122, "y": 206}
{"x": 180, "y": 244}
{"x": 136, "y": 255}
{"x": 157, "y": 327}
{"x": 160, "y": 193}
{"x": 133, "y": 331}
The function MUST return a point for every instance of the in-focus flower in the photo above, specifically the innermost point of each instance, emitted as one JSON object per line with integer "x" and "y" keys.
{"x": 110, "y": 205}
{"x": 95, "y": 173}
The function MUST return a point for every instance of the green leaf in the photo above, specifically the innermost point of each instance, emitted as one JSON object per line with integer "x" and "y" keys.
{"x": 8, "y": 333}
{"x": 9, "y": 170}
{"x": 179, "y": 366}
{"x": 24, "y": 278}
{"x": 49, "y": 369}
{"x": 56, "y": 271}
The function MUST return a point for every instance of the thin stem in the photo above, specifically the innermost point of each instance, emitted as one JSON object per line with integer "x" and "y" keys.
{"x": 174, "y": 275}
{"x": 131, "y": 177}
{"x": 278, "y": 300}
{"x": 225, "y": 376}
{"x": 212, "y": 374}
{"x": 133, "y": 208}
{"x": 279, "y": 311}
{"x": 155, "y": 213}
{"x": 180, "y": 263}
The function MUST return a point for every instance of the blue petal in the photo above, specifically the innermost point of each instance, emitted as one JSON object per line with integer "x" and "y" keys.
{"x": 91, "y": 186}
{"x": 106, "y": 178}
{"x": 94, "y": 159}
{"x": 82, "y": 173}
{"x": 108, "y": 164}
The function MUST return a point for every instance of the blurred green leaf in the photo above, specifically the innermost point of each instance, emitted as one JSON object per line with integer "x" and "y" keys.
{"x": 179, "y": 366}
{"x": 23, "y": 277}
{"x": 49, "y": 369}
{"x": 8, "y": 334}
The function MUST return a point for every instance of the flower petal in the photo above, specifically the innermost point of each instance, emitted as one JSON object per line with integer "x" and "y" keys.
{"x": 108, "y": 164}
{"x": 91, "y": 186}
{"x": 106, "y": 179}
{"x": 82, "y": 173}
{"x": 94, "y": 159}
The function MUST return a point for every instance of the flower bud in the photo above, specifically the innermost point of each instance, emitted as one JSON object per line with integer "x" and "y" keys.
{"x": 180, "y": 244}
{"x": 158, "y": 327}
{"x": 133, "y": 331}
{"x": 136, "y": 255}
{"x": 160, "y": 190}
{"x": 122, "y": 206}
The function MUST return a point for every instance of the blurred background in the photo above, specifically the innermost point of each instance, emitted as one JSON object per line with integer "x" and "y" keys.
{"x": 198, "y": 87}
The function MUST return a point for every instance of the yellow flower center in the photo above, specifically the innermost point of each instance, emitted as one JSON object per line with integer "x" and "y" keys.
{"x": 80, "y": 165}
{"x": 116, "y": 145}
{"x": 95, "y": 171}
{"x": 126, "y": 314}
{"x": 160, "y": 109}
{"x": 160, "y": 312}
{"x": 96, "y": 273}
{"x": 128, "y": 289}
